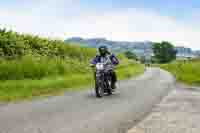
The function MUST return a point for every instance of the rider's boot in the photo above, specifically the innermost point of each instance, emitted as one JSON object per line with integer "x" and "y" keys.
{"x": 113, "y": 85}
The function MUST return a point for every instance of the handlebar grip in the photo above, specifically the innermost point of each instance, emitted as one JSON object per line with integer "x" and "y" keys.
{"x": 92, "y": 65}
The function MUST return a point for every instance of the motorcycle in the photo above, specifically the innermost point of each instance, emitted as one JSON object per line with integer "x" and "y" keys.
{"x": 103, "y": 79}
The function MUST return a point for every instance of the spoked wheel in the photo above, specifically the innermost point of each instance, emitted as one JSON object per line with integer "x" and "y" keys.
{"x": 99, "y": 91}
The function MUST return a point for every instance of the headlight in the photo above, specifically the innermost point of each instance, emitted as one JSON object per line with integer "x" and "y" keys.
{"x": 99, "y": 66}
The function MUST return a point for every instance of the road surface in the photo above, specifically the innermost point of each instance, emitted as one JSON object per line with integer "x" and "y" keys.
{"x": 179, "y": 112}
{"x": 82, "y": 112}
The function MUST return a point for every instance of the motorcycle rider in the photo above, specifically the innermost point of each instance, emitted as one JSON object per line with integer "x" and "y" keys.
{"x": 104, "y": 55}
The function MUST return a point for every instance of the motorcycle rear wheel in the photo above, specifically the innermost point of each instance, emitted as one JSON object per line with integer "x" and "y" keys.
{"x": 109, "y": 88}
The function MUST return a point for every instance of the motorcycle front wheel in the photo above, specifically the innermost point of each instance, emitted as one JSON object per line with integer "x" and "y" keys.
{"x": 99, "y": 90}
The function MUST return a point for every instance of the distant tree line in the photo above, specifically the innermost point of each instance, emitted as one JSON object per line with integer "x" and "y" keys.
{"x": 164, "y": 52}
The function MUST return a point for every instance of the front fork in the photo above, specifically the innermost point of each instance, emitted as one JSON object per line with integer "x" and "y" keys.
{"x": 98, "y": 78}
{"x": 104, "y": 80}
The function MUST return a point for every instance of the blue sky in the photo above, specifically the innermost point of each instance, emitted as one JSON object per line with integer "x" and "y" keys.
{"x": 132, "y": 20}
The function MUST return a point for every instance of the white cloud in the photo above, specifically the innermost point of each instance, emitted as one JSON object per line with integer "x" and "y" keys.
{"x": 136, "y": 25}
{"x": 129, "y": 25}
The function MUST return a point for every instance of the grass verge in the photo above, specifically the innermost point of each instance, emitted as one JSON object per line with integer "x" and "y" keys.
{"x": 187, "y": 72}
{"x": 15, "y": 90}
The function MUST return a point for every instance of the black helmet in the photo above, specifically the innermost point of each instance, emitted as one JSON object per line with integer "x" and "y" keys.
{"x": 103, "y": 50}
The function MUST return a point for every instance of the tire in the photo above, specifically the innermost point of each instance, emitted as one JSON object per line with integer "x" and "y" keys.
{"x": 99, "y": 90}
{"x": 109, "y": 92}
{"x": 109, "y": 89}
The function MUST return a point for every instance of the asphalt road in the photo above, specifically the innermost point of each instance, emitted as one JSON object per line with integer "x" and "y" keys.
{"x": 179, "y": 112}
{"x": 82, "y": 112}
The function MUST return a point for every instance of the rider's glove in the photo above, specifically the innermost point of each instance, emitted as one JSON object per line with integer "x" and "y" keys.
{"x": 92, "y": 65}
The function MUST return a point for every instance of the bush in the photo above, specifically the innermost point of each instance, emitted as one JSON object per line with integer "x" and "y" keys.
{"x": 31, "y": 57}
{"x": 14, "y": 45}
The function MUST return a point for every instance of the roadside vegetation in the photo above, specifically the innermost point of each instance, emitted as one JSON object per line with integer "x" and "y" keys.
{"x": 32, "y": 66}
{"x": 185, "y": 71}
{"x": 130, "y": 55}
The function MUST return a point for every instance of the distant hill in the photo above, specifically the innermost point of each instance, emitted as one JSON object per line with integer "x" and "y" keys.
{"x": 139, "y": 48}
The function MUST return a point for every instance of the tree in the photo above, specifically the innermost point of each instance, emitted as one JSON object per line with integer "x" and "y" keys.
{"x": 164, "y": 52}
{"x": 130, "y": 55}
